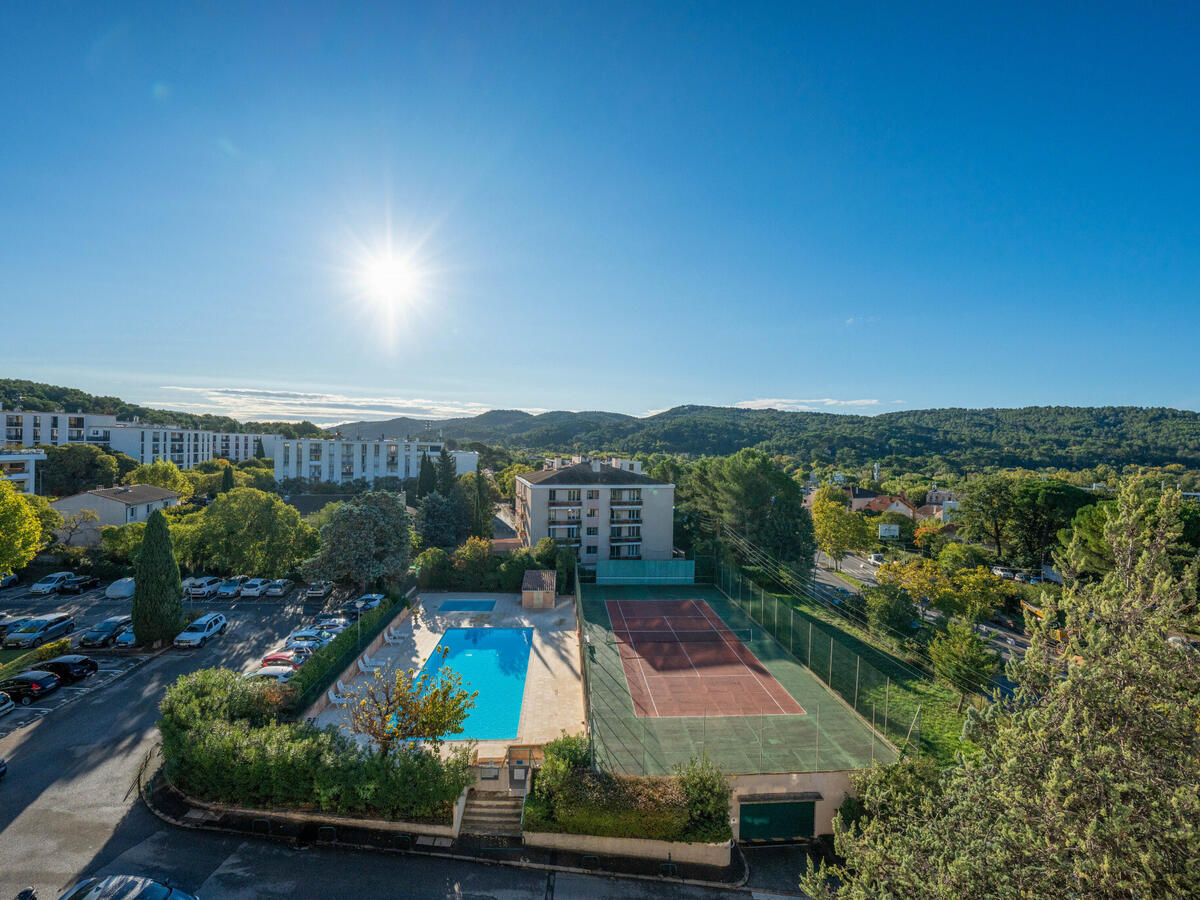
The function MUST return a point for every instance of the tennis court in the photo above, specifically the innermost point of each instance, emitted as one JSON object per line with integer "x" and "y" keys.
{"x": 657, "y": 699}
{"x": 680, "y": 659}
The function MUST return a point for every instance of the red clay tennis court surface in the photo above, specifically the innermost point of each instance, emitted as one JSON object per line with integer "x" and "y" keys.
{"x": 680, "y": 659}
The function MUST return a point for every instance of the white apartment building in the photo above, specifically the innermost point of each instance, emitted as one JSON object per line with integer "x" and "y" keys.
{"x": 28, "y": 429}
{"x": 19, "y": 467}
{"x": 152, "y": 443}
{"x": 599, "y": 510}
{"x": 240, "y": 447}
{"x": 339, "y": 460}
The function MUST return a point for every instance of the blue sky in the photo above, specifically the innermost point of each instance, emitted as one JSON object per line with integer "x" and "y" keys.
{"x": 608, "y": 206}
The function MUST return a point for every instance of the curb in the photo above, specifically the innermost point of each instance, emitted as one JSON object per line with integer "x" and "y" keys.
{"x": 739, "y": 885}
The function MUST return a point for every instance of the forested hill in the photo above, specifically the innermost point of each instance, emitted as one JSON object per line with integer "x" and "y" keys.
{"x": 1033, "y": 437}
{"x": 927, "y": 439}
{"x": 39, "y": 397}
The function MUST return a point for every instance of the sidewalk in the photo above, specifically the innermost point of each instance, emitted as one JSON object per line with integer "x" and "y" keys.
{"x": 174, "y": 808}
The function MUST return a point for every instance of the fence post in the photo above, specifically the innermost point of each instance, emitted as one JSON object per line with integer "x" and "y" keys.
{"x": 887, "y": 689}
{"x": 857, "y": 667}
{"x": 761, "y": 737}
{"x": 830, "y": 681}
{"x": 818, "y": 764}
{"x": 792, "y": 633}
{"x": 808, "y": 662}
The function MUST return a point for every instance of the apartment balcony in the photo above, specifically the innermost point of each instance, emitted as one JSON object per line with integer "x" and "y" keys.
{"x": 625, "y": 540}
{"x": 627, "y": 502}
{"x": 566, "y": 523}
{"x": 559, "y": 503}
{"x": 614, "y": 520}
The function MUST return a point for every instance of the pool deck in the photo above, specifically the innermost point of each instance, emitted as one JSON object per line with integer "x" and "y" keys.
{"x": 553, "y": 700}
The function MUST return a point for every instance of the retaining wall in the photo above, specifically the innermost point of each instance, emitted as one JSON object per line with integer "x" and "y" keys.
{"x": 717, "y": 855}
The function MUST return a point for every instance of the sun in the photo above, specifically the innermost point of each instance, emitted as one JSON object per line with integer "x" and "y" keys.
{"x": 391, "y": 280}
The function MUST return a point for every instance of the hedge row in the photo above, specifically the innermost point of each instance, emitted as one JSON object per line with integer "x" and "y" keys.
{"x": 222, "y": 743}
{"x": 570, "y": 798}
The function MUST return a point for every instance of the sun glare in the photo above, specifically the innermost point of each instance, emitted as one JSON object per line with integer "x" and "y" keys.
{"x": 391, "y": 280}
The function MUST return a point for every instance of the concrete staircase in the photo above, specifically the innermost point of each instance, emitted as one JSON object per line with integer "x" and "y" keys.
{"x": 492, "y": 813}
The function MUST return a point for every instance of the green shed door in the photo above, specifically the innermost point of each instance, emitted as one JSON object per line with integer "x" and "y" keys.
{"x": 784, "y": 821}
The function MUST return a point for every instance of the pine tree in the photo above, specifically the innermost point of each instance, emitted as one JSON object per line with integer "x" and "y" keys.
{"x": 259, "y": 451}
{"x": 427, "y": 477}
{"x": 157, "y": 610}
{"x": 447, "y": 474}
{"x": 484, "y": 509}
{"x": 227, "y": 482}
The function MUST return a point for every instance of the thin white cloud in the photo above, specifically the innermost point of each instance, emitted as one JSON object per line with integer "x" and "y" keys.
{"x": 822, "y": 404}
{"x": 256, "y": 404}
{"x": 861, "y": 320}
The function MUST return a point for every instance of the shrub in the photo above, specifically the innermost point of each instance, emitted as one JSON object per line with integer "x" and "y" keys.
{"x": 222, "y": 742}
{"x": 53, "y": 649}
{"x": 707, "y": 794}
{"x": 434, "y": 566}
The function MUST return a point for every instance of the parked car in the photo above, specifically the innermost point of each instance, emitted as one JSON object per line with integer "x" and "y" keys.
{"x": 51, "y": 584}
{"x": 278, "y": 674}
{"x": 30, "y": 686}
{"x": 71, "y": 667}
{"x": 329, "y": 619}
{"x": 231, "y": 587}
{"x": 104, "y": 633}
{"x": 38, "y": 631}
{"x": 320, "y": 636}
{"x": 12, "y": 623}
{"x": 255, "y": 587}
{"x": 295, "y": 657}
{"x": 126, "y": 640}
{"x": 125, "y": 887}
{"x": 875, "y": 559}
{"x": 198, "y": 632}
{"x": 3, "y": 767}
{"x": 350, "y": 610}
{"x": 1002, "y": 572}
{"x": 6, "y": 705}
{"x": 9, "y": 580}
{"x": 77, "y": 584}
{"x": 204, "y": 587}
{"x": 369, "y": 601}
{"x": 279, "y": 587}
{"x": 319, "y": 590}
{"x": 121, "y": 589}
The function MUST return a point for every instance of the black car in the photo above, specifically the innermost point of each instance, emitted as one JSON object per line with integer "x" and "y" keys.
{"x": 70, "y": 668}
{"x": 3, "y": 767}
{"x": 77, "y": 584}
{"x": 29, "y": 686}
{"x": 12, "y": 623}
{"x": 123, "y": 887}
{"x": 104, "y": 633}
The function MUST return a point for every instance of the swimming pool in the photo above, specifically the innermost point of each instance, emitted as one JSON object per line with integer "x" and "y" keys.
{"x": 492, "y": 661}
{"x": 467, "y": 606}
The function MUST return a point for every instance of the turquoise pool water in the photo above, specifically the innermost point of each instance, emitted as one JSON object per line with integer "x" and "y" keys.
{"x": 492, "y": 661}
{"x": 467, "y": 606}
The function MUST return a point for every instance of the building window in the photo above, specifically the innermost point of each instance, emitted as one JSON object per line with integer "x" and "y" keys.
{"x": 573, "y": 496}
{"x": 593, "y": 531}
{"x": 593, "y": 513}
{"x": 591, "y": 549}
{"x": 593, "y": 495}
{"x": 614, "y": 552}
{"x": 553, "y": 495}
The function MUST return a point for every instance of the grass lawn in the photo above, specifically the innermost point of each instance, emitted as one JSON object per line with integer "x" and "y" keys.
{"x": 12, "y": 661}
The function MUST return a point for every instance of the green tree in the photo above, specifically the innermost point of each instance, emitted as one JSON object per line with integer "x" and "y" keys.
{"x": 368, "y": 541}
{"x": 955, "y": 556}
{"x": 1084, "y": 784}
{"x": 20, "y": 531}
{"x": 259, "y": 451}
{"x": 161, "y": 473}
{"x": 1040, "y": 509}
{"x": 434, "y": 566}
{"x": 1083, "y": 551}
{"x": 986, "y": 508}
{"x": 908, "y": 528}
{"x": 545, "y": 552}
{"x": 831, "y": 493}
{"x": 890, "y": 612}
{"x": 979, "y": 593}
{"x": 440, "y": 520}
{"x": 427, "y": 481}
{"x": 507, "y": 479}
{"x": 474, "y": 485}
{"x": 472, "y": 562}
{"x": 74, "y": 468}
{"x": 399, "y": 705}
{"x": 157, "y": 590}
{"x": 120, "y": 543}
{"x": 227, "y": 482}
{"x": 446, "y": 473}
{"x": 48, "y": 517}
{"x": 839, "y": 531}
{"x": 961, "y": 659}
{"x": 245, "y": 530}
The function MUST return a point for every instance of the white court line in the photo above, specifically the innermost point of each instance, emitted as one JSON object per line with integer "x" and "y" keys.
{"x": 735, "y": 652}
{"x": 638, "y": 656}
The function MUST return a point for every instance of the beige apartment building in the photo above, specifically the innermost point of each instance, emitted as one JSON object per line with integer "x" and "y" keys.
{"x": 599, "y": 510}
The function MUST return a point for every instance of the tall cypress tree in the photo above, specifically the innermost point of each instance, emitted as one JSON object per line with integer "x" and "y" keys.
{"x": 157, "y": 607}
{"x": 427, "y": 477}
{"x": 227, "y": 482}
{"x": 447, "y": 473}
{"x": 484, "y": 509}
{"x": 259, "y": 451}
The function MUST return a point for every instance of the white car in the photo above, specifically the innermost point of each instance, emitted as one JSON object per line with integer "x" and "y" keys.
{"x": 197, "y": 634}
{"x": 256, "y": 587}
{"x": 875, "y": 559}
{"x": 6, "y": 704}
{"x": 51, "y": 584}
{"x": 121, "y": 589}
{"x": 8, "y": 580}
{"x": 278, "y": 587}
{"x": 369, "y": 601}
{"x": 309, "y": 636}
{"x": 278, "y": 674}
{"x": 204, "y": 587}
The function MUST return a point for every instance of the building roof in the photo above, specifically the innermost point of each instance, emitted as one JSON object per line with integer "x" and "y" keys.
{"x": 539, "y": 580}
{"x": 857, "y": 493}
{"x": 929, "y": 510}
{"x": 133, "y": 494}
{"x": 883, "y": 501}
{"x": 587, "y": 473}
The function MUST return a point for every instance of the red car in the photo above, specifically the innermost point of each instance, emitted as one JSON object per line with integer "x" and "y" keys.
{"x": 294, "y": 658}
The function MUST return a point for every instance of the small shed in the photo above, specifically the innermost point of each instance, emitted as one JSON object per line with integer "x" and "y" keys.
{"x": 537, "y": 589}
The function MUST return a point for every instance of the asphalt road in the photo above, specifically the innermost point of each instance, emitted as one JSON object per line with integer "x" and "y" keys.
{"x": 68, "y": 808}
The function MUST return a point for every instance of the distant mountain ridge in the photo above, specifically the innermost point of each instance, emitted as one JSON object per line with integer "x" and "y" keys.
{"x": 929, "y": 439}
{"x": 1033, "y": 436}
